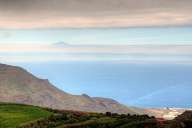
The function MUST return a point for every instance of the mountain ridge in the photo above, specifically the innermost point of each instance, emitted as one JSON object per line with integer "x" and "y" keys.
{"x": 17, "y": 85}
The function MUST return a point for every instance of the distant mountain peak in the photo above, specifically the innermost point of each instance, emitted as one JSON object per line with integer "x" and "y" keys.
{"x": 61, "y": 43}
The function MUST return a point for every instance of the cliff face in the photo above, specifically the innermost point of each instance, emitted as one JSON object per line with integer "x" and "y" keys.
{"x": 19, "y": 86}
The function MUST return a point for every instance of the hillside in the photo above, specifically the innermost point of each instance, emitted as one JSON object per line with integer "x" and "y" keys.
{"x": 26, "y": 116}
{"x": 19, "y": 86}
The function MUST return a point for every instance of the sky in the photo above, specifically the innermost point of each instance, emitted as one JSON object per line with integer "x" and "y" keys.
{"x": 92, "y": 13}
{"x": 142, "y": 46}
{"x": 130, "y": 45}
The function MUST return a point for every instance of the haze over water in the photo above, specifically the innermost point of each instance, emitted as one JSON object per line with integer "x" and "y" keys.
{"x": 100, "y": 36}
{"x": 155, "y": 71}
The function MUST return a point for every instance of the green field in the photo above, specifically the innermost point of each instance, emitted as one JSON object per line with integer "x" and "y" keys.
{"x": 12, "y": 115}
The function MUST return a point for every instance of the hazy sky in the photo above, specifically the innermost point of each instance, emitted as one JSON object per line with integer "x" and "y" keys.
{"x": 93, "y": 13}
{"x": 147, "y": 45}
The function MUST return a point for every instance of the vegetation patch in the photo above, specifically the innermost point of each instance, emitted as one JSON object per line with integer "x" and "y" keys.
{"x": 25, "y": 116}
{"x": 12, "y": 115}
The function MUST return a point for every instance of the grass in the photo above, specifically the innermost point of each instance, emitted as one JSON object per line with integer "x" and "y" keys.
{"x": 12, "y": 115}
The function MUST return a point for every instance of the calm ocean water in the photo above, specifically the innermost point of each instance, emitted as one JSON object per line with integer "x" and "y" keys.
{"x": 132, "y": 84}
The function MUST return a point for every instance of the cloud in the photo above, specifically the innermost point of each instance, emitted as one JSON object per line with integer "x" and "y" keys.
{"x": 176, "y": 54}
{"x": 112, "y": 49}
{"x": 91, "y": 13}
